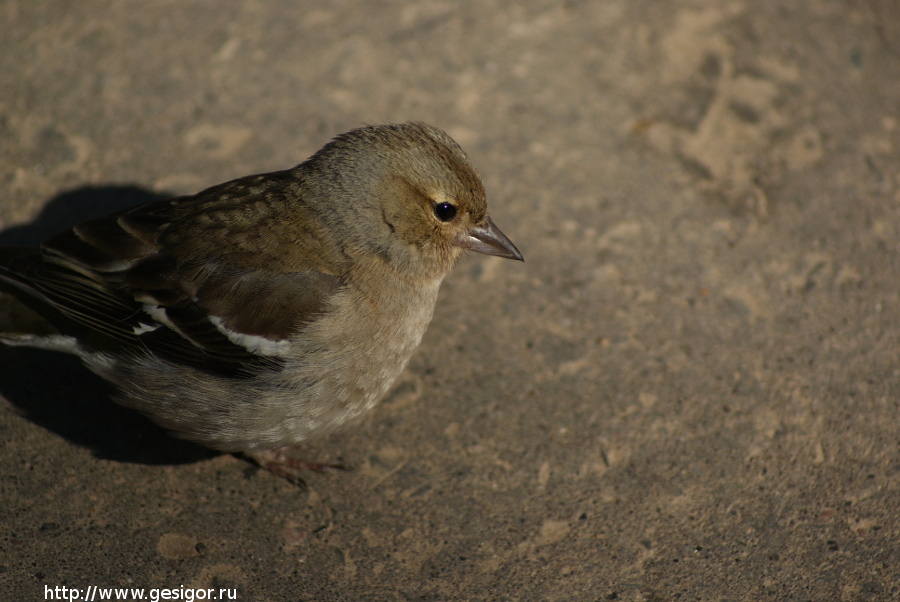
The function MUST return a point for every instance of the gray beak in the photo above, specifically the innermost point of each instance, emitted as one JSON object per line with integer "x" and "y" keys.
{"x": 489, "y": 240}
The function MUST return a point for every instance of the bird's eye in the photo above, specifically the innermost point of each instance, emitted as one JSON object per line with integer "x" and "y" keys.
{"x": 445, "y": 211}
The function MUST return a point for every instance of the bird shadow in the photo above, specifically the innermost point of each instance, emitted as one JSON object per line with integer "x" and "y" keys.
{"x": 72, "y": 206}
{"x": 54, "y": 390}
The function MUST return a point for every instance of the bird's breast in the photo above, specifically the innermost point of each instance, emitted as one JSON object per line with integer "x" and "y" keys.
{"x": 346, "y": 361}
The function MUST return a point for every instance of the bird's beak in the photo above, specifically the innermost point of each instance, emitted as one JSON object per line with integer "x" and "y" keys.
{"x": 489, "y": 240}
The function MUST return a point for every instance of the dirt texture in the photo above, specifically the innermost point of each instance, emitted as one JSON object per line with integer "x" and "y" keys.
{"x": 688, "y": 391}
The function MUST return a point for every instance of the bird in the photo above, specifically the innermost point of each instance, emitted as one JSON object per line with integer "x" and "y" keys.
{"x": 267, "y": 311}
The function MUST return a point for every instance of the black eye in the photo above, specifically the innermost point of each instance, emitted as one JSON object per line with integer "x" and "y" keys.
{"x": 445, "y": 211}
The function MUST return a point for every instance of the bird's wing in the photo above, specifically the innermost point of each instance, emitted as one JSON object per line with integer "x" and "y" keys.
{"x": 196, "y": 280}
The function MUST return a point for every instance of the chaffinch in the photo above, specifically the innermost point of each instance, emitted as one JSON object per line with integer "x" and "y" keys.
{"x": 269, "y": 310}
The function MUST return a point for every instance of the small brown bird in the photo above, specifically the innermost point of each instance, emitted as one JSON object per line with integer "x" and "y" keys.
{"x": 269, "y": 310}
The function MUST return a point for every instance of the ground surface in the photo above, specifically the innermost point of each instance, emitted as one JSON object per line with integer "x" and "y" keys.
{"x": 689, "y": 391}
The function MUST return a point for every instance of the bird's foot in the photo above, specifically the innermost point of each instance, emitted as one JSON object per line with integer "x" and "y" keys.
{"x": 282, "y": 462}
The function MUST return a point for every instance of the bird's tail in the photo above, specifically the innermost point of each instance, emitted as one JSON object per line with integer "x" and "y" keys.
{"x": 24, "y": 311}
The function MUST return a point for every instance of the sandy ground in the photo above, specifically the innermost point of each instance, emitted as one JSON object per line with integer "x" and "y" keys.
{"x": 689, "y": 391}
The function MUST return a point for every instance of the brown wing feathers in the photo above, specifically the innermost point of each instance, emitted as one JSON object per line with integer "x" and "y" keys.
{"x": 100, "y": 274}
